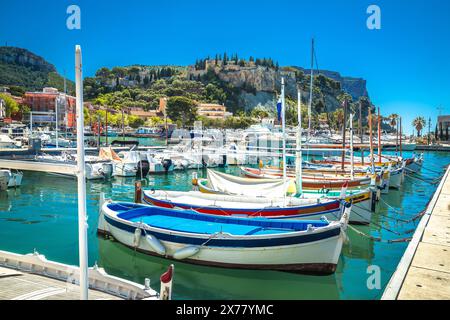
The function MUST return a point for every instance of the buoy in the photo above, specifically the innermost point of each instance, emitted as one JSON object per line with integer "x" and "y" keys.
{"x": 261, "y": 164}
{"x": 156, "y": 245}
{"x": 186, "y": 252}
{"x": 292, "y": 188}
{"x": 194, "y": 178}
{"x": 137, "y": 237}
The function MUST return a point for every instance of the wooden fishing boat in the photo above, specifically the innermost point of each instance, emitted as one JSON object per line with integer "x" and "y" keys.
{"x": 300, "y": 246}
{"x": 246, "y": 206}
{"x": 414, "y": 164}
{"x": 363, "y": 199}
{"x": 310, "y": 182}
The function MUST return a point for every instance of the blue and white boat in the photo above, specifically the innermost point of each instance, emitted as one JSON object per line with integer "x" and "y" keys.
{"x": 259, "y": 243}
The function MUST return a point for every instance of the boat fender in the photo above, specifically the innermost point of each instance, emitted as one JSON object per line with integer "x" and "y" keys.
{"x": 156, "y": 245}
{"x": 186, "y": 252}
{"x": 137, "y": 237}
{"x": 195, "y": 178}
{"x": 310, "y": 228}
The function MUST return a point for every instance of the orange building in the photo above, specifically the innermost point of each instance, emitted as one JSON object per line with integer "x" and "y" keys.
{"x": 44, "y": 104}
{"x": 212, "y": 110}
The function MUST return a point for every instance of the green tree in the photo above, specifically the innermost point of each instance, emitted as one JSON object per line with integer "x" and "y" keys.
{"x": 393, "y": 118}
{"x": 135, "y": 122}
{"x": 419, "y": 124}
{"x": 104, "y": 73}
{"x": 182, "y": 109}
{"x": 11, "y": 106}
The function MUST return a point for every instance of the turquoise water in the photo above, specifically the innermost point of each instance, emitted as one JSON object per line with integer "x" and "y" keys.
{"x": 42, "y": 215}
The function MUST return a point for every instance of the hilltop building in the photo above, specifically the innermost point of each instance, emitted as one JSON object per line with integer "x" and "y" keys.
{"x": 213, "y": 110}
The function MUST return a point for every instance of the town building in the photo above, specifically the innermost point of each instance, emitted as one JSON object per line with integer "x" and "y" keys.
{"x": 212, "y": 110}
{"x": 141, "y": 113}
{"x": 44, "y": 106}
{"x": 443, "y": 127}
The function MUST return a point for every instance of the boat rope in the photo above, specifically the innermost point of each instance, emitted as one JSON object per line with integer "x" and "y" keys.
{"x": 426, "y": 177}
{"x": 437, "y": 167}
{"x": 434, "y": 182}
{"x": 429, "y": 178}
{"x": 377, "y": 239}
{"x": 391, "y": 207}
{"x": 385, "y": 216}
{"x": 438, "y": 172}
{"x": 215, "y": 234}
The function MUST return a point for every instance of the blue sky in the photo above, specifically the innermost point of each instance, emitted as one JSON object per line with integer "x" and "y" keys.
{"x": 406, "y": 63}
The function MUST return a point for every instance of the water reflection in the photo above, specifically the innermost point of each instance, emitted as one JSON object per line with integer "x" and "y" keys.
{"x": 200, "y": 282}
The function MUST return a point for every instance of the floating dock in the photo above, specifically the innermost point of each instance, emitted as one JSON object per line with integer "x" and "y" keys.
{"x": 424, "y": 270}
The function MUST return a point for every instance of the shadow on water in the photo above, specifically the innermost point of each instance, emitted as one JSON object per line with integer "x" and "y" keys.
{"x": 200, "y": 282}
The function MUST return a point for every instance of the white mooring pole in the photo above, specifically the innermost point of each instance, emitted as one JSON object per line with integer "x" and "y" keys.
{"x": 57, "y": 100}
{"x": 298, "y": 160}
{"x": 283, "y": 121}
{"x": 82, "y": 218}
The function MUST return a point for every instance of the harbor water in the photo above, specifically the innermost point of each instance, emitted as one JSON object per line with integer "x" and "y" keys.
{"x": 41, "y": 215}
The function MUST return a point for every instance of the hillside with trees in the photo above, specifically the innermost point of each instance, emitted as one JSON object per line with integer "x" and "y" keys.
{"x": 22, "y": 68}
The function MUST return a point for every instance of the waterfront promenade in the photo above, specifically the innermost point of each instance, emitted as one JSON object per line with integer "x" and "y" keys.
{"x": 424, "y": 270}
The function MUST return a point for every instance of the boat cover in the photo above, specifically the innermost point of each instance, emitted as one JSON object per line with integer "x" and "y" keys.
{"x": 229, "y": 184}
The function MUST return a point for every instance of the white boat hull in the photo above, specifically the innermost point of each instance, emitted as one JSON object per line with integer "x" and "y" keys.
{"x": 15, "y": 180}
{"x": 395, "y": 180}
{"x": 323, "y": 254}
{"x": 125, "y": 169}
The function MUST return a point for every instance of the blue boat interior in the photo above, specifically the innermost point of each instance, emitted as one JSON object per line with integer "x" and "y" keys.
{"x": 193, "y": 222}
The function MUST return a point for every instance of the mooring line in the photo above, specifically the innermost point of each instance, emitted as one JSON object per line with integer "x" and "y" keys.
{"x": 377, "y": 239}
{"x": 422, "y": 180}
{"x": 386, "y": 216}
{"x": 434, "y": 171}
{"x": 391, "y": 207}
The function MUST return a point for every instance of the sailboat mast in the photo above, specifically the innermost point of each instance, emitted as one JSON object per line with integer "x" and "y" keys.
{"x": 298, "y": 160}
{"x": 401, "y": 147}
{"x": 379, "y": 136}
{"x": 371, "y": 137}
{"x": 343, "y": 134}
{"x": 351, "y": 148}
{"x": 311, "y": 89}
{"x": 283, "y": 121}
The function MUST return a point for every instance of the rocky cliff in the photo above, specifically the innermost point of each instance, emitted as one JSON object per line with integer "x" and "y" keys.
{"x": 259, "y": 85}
{"x": 20, "y": 67}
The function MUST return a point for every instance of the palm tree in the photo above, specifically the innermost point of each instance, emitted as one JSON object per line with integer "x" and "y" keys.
{"x": 393, "y": 120}
{"x": 419, "y": 123}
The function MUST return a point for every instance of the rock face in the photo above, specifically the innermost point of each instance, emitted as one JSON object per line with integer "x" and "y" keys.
{"x": 23, "y": 57}
{"x": 259, "y": 85}
{"x": 356, "y": 87}
{"x": 20, "y": 67}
